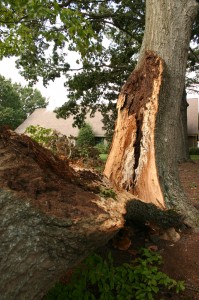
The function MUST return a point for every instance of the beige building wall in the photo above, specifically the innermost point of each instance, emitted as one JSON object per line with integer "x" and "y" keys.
{"x": 192, "y": 122}
{"x": 192, "y": 116}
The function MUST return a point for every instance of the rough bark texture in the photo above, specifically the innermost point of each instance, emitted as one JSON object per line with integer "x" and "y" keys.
{"x": 144, "y": 151}
{"x": 50, "y": 216}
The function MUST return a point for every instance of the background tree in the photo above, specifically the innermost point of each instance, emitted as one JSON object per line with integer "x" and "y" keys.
{"x": 11, "y": 112}
{"x": 30, "y": 98}
{"x": 17, "y": 102}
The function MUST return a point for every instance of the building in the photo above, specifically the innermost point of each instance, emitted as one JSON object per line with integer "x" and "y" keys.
{"x": 192, "y": 122}
{"x": 48, "y": 119}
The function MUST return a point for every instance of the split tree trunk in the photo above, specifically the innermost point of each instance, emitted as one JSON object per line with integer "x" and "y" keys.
{"x": 143, "y": 157}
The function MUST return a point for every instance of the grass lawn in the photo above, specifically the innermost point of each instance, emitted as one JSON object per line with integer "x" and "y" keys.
{"x": 194, "y": 157}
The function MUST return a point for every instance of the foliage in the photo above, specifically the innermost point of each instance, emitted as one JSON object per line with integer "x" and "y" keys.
{"x": 10, "y": 108}
{"x": 31, "y": 28}
{"x": 17, "y": 102}
{"x": 100, "y": 279}
{"x": 194, "y": 151}
{"x": 86, "y": 137}
{"x": 103, "y": 148}
{"x": 107, "y": 35}
{"x": 41, "y": 135}
{"x": 30, "y": 98}
{"x": 52, "y": 140}
{"x": 103, "y": 157}
{"x": 11, "y": 117}
{"x": 65, "y": 146}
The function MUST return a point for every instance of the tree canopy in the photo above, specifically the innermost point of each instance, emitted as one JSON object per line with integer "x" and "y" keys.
{"x": 106, "y": 34}
{"x": 17, "y": 102}
{"x": 41, "y": 33}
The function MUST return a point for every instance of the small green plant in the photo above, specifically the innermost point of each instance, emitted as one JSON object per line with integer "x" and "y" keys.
{"x": 107, "y": 193}
{"x": 41, "y": 135}
{"x": 102, "y": 147}
{"x": 100, "y": 279}
{"x": 51, "y": 139}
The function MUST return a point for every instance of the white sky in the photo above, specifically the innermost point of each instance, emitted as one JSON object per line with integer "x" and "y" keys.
{"x": 55, "y": 92}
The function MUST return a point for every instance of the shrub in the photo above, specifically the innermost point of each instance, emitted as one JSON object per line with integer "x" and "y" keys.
{"x": 86, "y": 137}
{"x": 100, "y": 279}
{"x": 102, "y": 148}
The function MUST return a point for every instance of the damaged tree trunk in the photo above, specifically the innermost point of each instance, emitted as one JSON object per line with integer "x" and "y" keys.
{"x": 51, "y": 217}
{"x": 143, "y": 157}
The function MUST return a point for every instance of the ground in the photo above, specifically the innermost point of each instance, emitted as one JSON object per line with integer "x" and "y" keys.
{"x": 181, "y": 259}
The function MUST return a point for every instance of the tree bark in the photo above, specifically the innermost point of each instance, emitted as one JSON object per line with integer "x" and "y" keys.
{"x": 143, "y": 157}
{"x": 36, "y": 249}
{"x": 50, "y": 218}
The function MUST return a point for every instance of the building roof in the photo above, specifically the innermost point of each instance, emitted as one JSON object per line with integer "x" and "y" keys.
{"x": 192, "y": 116}
{"x": 47, "y": 119}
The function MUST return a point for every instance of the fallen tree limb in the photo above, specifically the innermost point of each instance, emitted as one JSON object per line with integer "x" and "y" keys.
{"x": 50, "y": 217}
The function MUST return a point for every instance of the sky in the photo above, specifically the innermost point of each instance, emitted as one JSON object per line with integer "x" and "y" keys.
{"x": 55, "y": 92}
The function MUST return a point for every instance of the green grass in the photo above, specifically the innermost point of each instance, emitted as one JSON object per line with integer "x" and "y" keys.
{"x": 194, "y": 157}
{"x": 103, "y": 156}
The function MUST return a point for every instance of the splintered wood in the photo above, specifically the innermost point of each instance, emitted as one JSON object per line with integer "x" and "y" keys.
{"x": 131, "y": 164}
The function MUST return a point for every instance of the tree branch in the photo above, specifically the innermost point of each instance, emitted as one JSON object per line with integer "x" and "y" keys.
{"x": 104, "y": 65}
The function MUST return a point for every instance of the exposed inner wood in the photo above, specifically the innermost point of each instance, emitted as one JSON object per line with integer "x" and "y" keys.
{"x": 131, "y": 164}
